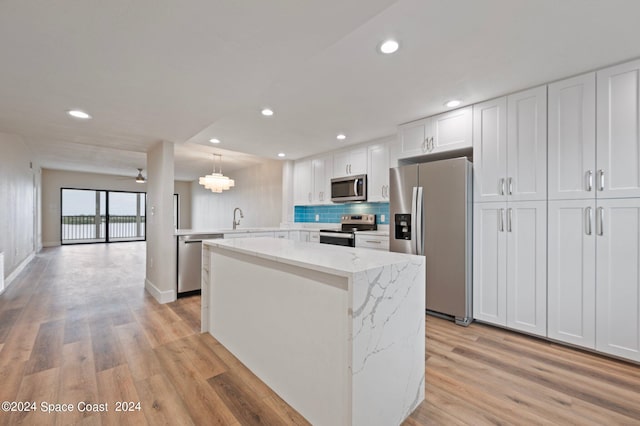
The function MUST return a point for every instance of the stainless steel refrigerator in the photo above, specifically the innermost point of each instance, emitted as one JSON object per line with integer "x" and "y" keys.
{"x": 431, "y": 215}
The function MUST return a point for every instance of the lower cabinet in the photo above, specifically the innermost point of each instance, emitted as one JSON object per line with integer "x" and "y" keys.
{"x": 572, "y": 272}
{"x": 510, "y": 282}
{"x": 594, "y": 276}
{"x": 376, "y": 242}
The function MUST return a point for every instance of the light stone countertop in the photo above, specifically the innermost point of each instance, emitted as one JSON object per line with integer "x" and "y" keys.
{"x": 331, "y": 259}
{"x": 180, "y": 232}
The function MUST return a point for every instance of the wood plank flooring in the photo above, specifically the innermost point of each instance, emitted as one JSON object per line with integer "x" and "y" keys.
{"x": 77, "y": 326}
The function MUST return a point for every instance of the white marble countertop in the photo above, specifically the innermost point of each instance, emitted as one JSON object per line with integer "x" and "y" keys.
{"x": 336, "y": 260}
{"x": 180, "y": 232}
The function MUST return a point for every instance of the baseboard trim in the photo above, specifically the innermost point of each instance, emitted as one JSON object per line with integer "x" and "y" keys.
{"x": 161, "y": 296}
{"x": 51, "y": 244}
{"x": 12, "y": 276}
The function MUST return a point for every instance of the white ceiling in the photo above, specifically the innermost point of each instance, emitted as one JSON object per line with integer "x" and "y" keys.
{"x": 151, "y": 70}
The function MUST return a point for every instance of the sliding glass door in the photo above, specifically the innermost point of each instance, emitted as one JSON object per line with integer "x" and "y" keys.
{"x": 95, "y": 216}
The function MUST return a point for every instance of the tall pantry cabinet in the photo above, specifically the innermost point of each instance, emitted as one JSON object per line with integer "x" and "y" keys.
{"x": 510, "y": 218}
{"x": 594, "y": 211}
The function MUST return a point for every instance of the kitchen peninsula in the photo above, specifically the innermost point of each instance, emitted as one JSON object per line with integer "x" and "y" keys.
{"x": 337, "y": 332}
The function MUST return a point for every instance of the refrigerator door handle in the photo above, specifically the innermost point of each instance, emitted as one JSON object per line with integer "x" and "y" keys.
{"x": 414, "y": 211}
{"x": 419, "y": 222}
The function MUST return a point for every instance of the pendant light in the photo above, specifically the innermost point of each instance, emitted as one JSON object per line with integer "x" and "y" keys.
{"x": 216, "y": 181}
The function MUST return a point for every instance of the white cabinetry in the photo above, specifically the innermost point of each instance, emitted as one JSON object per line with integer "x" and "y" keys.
{"x": 527, "y": 145}
{"x": 572, "y": 138}
{"x": 444, "y": 132}
{"x": 376, "y": 242}
{"x": 572, "y": 272}
{"x": 526, "y": 226}
{"x": 514, "y": 167}
{"x": 312, "y": 181}
{"x": 617, "y": 277}
{"x": 352, "y": 162}
{"x": 509, "y": 282}
{"x": 378, "y": 165}
{"x": 618, "y": 134}
{"x": 322, "y": 169}
{"x": 490, "y": 150}
{"x": 302, "y": 181}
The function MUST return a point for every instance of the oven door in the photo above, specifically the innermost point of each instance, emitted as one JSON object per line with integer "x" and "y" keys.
{"x": 346, "y": 239}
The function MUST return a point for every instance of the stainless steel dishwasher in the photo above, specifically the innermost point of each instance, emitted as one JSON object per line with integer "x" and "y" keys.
{"x": 190, "y": 262}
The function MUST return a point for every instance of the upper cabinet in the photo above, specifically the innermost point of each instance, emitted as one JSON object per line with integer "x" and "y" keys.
{"x": 490, "y": 150}
{"x": 352, "y": 162}
{"x": 618, "y": 131}
{"x": 527, "y": 145}
{"x": 572, "y": 138}
{"x": 444, "y": 132}
{"x": 322, "y": 170}
{"x": 510, "y": 147}
{"x": 378, "y": 165}
{"x": 312, "y": 181}
{"x": 302, "y": 183}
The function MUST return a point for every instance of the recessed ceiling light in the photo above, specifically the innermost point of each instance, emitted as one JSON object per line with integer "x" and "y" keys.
{"x": 453, "y": 103}
{"x": 341, "y": 137}
{"x": 389, "y": 46}
{"x": 79, "y": 114}
{"x": 214, "y": 140}
{"x": 268, "y": 112}
{"x": 282, "y": 154}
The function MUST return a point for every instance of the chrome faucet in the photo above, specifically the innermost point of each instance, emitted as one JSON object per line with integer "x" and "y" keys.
{"x": 237, "y": 222}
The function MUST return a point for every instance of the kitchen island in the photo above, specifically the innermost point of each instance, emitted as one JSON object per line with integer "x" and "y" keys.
{"x": 337, "y": 332}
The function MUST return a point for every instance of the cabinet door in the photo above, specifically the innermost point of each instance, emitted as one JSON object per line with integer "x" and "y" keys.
{"x": 618, "y": 143}
{"x": 378, "y": 184}
{"x": 358, "y": 161}
{"x": 302, "y": 180}
{"x": 452, "y": 130}
{"x": 490, "y": 150}
{"x": 413, "y": 137}
{"x": 572, "y": 138}
{"x": 617, "y": 277}
{"x": 527, "y": 145}
{"x": 341, "y": 164}
{"x": 526, "y": 225}
{"x": 322, "y": 169}
{"x": 489, "y": 263}
{"x": 571, "y": 282}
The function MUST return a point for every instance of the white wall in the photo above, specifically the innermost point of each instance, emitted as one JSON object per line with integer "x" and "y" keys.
{"x": 161, "y": 244}
{"x": 54, "y": 180}
{"x": 19, "y": 191}
{"x": 258, "y": 192}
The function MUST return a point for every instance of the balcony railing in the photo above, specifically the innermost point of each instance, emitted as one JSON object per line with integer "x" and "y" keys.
{"x": 85, "y": 228}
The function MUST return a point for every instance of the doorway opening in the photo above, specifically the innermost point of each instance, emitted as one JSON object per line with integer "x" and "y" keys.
{"x": 97, "y": 216}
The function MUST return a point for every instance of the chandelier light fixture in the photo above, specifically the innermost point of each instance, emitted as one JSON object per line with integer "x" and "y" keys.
{"x": 216, "y": 181}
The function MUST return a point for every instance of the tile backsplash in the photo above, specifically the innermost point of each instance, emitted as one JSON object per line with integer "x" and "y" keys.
{"x": 332, "y": 213}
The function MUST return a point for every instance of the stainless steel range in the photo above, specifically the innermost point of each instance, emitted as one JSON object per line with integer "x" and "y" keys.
{"x": 349, "y": 225}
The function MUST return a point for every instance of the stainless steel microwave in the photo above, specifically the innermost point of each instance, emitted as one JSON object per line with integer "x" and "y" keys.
{"x": 349, "y": 188}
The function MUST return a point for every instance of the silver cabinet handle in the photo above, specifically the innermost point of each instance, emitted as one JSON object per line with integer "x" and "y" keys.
{"x": 601, "y": 175}
{"x": 501, "y": 220}
{"x": 432, "y": 145}
{"x": 600, "y": 220}
{"x": 589, "y": 180}
{"x": 321, "y": 195}
{"x": 425, "y": 145}
{"x": 349, "y": 168}
{"x": 509, "y": 219}
{"x": 510, "y": 186}
{"x": 373, "y": 241}
{"x": 588, "y": 219}
{"x": 310, "y": 197}
{"x": 386, "y": 191}
{"x": 346, "y": 169}
{"x": 501, "y": 184}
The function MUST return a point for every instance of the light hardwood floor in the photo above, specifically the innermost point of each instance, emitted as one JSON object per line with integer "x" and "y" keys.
{"x": 77, "y": 325}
